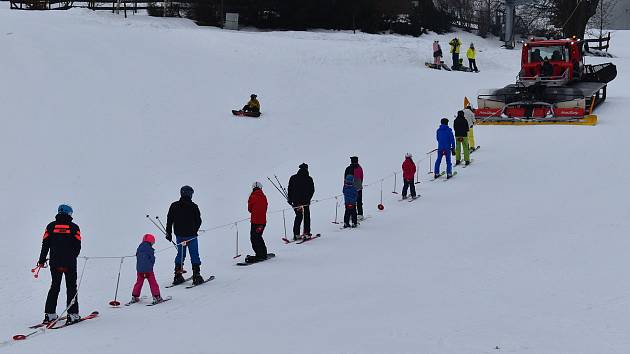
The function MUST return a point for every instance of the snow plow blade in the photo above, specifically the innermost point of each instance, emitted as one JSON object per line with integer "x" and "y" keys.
{"x": 587, "y": 120}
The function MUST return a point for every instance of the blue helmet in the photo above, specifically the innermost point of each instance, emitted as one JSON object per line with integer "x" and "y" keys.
{"x": 65, "y": 209}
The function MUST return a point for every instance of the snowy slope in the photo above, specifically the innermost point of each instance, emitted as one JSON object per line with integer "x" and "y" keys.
{"x": 522, "y": 251}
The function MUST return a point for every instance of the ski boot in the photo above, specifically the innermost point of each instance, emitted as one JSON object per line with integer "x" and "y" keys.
{"x": 49, "y": 318}
{"x": 72, "y": 318}
{"x": 361, "y": 217}
{"x": 345, "y": 226}
{"x": 179, "y": 278}
{"x": 467, "y": 163}
{"x": 354, "y": 225}
{"x": 197, "y": 279}
{"x": 458, "y": 162}
{"x": 133, "y": 300}
{"x": 449, "y": 175}
{"x": 157, "y": 300}
{"x": 250, "y": 259}
{"x": 296, "y": 237}
{"x": 404, "y": 197}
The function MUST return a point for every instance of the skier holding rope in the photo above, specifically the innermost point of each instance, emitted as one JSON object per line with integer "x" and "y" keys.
{"x": 63, "y": 239}
{"x": 185, "y": 216}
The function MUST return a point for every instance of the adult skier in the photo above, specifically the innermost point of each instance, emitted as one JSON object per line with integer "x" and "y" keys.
{"x": 300, "y": 192}
{"x": 471, "y": 54}
{"x": 409, "y": 171}
{"x": 437, "y": 53}
{"x": 455, "y": 44}
{"x": 469, "y": 113}
{"x": 446, "y": 146}
{"x": 62, "y": 239}
{"x": 350, "y": 194}
{"x": 257, "y": 206}
{"x": 184, "y": 216}
{"x": 460, "y": 125}
{"x": 356, "y": 171}
{"x": 253, "y": 105}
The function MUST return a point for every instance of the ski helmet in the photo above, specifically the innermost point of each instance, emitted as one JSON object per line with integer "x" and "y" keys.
{"x": 186, "y": 191}
{"x": 408, "y": 155}
{"x": 148, "y": 238}
{"x": 253, "y": 95}
{"x": 354, "y": 159}
{"x": 444, "y": 121}
{"x": 256, "y": 185}
{"x": 65, "y": 209}
{"x": 303, "y": 166}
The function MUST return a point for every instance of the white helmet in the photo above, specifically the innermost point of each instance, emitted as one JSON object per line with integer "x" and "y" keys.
{"x": 407, "y": 155}
{"x": 256, "y": 185}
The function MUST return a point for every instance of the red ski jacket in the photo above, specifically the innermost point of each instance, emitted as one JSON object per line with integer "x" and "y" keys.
{"x": 257, "y": 205}
{"x": 409, "y": 169}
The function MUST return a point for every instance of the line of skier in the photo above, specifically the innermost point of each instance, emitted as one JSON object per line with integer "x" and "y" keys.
{"x": 61, "y": 244}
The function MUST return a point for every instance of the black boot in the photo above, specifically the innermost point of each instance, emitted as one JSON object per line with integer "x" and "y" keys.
{"x": 197, "y": 279}
{"x": 179, "y": 278}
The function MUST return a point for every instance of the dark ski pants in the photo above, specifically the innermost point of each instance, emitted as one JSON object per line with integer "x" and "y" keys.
{"x": 409, "y": 185}
{"x": 192, "y": 244}
{"x": 258, "y": 243}
{"x": 55, "y": 287}
{"x": 360, "y": 202}
{"x": 472, "y": 65}
{"x": 303, "y": 213}
{"x": 351, "y": 213}
{"x": 455, "y": 60}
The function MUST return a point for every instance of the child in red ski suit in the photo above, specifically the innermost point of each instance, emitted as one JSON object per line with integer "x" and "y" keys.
{"x": 145, "y": 259}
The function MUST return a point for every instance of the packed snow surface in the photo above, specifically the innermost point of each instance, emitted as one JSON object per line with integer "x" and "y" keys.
{"x": 524, "y": 251}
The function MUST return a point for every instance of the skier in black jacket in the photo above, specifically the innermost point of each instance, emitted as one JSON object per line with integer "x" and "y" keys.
{"x": 300, "y": 193}
{"x": 62, "y": 239}
{"x": 185, "y": 216}
{"x": 460, "y": 125}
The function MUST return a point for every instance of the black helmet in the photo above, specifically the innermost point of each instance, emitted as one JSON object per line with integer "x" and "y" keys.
{"x": 444, "y": 121}
{"x": 186, "y": 191}
{"x": 253, "y": 95}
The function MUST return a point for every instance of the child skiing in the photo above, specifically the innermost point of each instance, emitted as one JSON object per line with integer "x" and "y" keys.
{"x": 461, "y": 137}
{"x": 350, "y": 195}
{"x": 437, "y": 53}
{"x": 253, "y": 105}
{"x": 471, "y": 54}
{"x": 63, "y": 239}
{"x": 446, "y": 146}
{"x": 257, "y": 206}
{"x": 185, "y": 216}
{"x": 145, "y": 259}
{"x": 356, "y": 171}
{"x": 409, "y": 171}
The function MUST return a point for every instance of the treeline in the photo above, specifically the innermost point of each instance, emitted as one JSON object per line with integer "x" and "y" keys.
{"x": 412, "y": 17}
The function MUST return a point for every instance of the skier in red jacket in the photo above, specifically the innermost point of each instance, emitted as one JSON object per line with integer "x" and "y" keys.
{"x": 257, "y": 206}
{"x": 409, "y": 171}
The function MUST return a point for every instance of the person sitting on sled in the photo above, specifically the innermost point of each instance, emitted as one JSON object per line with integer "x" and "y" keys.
{"x": 253, "y": 105}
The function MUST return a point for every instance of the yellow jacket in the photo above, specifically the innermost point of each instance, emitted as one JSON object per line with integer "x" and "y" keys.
{"x": 455, "y": 44}
{"x": 471, "y": 53}
{"x": 254, "y": 104}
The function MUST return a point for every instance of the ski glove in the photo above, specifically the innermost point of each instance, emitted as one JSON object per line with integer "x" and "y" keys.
{"x": 169, "y": 237}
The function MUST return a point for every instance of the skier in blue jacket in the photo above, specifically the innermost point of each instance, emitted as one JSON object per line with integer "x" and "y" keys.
{"x": 446, "y": 146}
{"x": 350, "y": 195}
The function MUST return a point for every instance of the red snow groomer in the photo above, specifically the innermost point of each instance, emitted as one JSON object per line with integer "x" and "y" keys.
{"x": 554, "y": 86}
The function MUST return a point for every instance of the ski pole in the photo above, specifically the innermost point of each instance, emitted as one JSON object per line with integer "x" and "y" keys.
{"x": 395, "y": 180}
{"x": 237, "y": 255}
{"x": 277, "y": 188}
{"x": 286, "y": 194}
{"x": 115, "y": 302}
{"x": 336, "y": 210}
{"x": 164, "y": 228}
{"x": 37, "y": 269}
{"x": 284, "y": 221}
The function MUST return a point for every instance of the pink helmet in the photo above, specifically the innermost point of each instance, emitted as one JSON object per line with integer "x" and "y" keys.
{"x": 148, "y": 238}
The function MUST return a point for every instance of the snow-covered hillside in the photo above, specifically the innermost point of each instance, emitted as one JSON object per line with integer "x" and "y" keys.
{"x": 524, "y": 251}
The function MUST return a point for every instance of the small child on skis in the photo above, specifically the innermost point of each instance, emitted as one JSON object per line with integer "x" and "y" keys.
{"x": 350, "y": 195}
{"x": 409, "y": 171}
{"x": 145, "y": 259}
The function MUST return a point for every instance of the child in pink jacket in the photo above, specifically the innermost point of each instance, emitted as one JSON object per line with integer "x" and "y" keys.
{"x": 145, "y": 259}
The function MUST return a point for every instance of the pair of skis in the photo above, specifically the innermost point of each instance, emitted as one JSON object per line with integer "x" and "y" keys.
{"x": 153, "y": 303}
{"x": 304, "y": 238}
{"x": 269, "y": 256}
{"x": 410, "y": 199}
{"x": 192, "y": 285}
{"x": 42, "y": 327}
